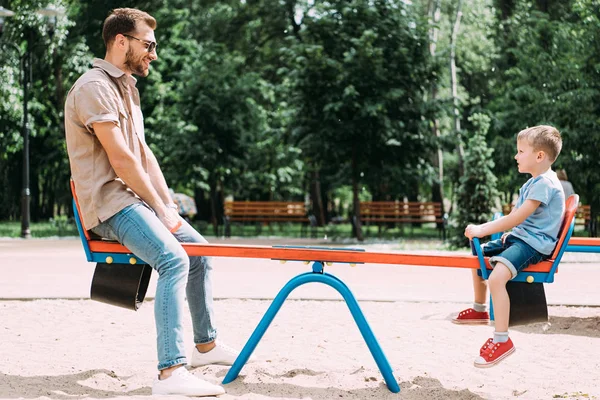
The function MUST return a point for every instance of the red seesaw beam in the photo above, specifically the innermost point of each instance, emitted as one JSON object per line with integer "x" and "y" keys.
{"x": 584, "y": 241}
{"x": 302, "y": 254}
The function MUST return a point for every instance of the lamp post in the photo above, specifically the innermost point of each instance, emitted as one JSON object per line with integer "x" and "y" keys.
{"x": 51, "y": 13}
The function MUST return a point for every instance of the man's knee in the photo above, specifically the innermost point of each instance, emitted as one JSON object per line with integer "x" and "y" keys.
{"x": 174, "y": 258}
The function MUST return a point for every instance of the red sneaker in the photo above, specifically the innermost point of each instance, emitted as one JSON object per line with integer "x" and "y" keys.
{"x": 494, "y": 353}
{"x": 487, "y": 344}
{"x": 472, "y": 317}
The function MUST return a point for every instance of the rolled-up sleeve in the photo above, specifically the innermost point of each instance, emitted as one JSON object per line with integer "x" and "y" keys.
{"x": 96, "y": 102}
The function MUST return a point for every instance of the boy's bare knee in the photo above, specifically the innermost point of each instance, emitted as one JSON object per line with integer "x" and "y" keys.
{"x": 500, "y": 275}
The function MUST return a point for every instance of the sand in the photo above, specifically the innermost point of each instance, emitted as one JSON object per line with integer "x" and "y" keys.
{"x": 65, "y": 349}
{"x": 54, "y": 345}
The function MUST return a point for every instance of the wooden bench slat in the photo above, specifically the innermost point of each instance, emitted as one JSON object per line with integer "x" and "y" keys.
{"x": 385, "y": 212}
{"x": 268, "y": 211}
{"x": 583, "y": 215}
{"x": 264, "y": 212}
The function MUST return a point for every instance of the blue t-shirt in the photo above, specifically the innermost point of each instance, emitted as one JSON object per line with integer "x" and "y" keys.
{"x": 540, "y": 229}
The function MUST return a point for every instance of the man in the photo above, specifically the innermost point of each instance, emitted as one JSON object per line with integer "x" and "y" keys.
{"x": 123, "y": 196}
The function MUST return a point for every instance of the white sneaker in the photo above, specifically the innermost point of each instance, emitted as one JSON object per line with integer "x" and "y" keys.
{"x": 221, "y": 355}
{"x": 182, "y": 382}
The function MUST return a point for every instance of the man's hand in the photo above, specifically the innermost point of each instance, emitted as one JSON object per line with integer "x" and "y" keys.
{"x": 170, "y": 218}
{"x": 472, "y": 231}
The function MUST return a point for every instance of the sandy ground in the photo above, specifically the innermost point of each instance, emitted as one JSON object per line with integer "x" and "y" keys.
{"x": 63, "y": 349}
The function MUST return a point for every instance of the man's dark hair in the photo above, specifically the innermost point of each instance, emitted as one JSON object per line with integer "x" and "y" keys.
{"x": 124, "y": 21}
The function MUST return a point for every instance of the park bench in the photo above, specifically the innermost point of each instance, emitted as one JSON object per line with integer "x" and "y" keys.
{"x": 382, "y": 213}
{"x": 121, "y": 279}
{"x": 583, "y": 216}
{"x": 265, "y": 213}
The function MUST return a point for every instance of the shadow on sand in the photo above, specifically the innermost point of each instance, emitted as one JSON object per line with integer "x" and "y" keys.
{"x": 589, "y": 327}
{"x": 420, "y": 388}
{"x": 63, "y": 386}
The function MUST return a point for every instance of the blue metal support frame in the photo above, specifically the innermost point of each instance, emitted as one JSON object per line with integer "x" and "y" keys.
{"x": 583, "y": 249}
{"x": 316, "y": 276}
{"x": 101, "y": 257}
{"x": 497, "y": 235}
{"x": 86, "y": 247}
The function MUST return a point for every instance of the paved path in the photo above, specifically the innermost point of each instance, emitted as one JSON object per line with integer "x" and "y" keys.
{"x": 52, "y": 268}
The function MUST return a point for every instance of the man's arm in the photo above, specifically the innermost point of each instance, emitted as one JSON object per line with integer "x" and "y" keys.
{"x": 130, "y": 170}
{"x": 156, "y": 177}
{"x": 516, "y": 217}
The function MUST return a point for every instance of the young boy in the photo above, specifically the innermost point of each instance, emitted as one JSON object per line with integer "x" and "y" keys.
{"x": 535, "y": 222}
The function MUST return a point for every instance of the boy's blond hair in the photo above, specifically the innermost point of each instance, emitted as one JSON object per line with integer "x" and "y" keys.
{"x": 544, "y": 138}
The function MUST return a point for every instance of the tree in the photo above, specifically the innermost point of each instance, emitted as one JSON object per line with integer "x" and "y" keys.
{"x": 360, "y": 73}
{"x": 56, "y": 62}
{"x": 477, "y": 189}
{"x": 550, "y": 76}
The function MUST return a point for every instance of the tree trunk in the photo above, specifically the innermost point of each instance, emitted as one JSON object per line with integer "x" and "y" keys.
{"x": 434, "y": 18}
{"x": 317, "y": 198}
{"x": 355, "y": 200}
{"x": 214, "y": 206}
{"x": 453, "y": 80}
{"x": 326, "y": 203}
{"x": 437, "y": 159}
{"x": 202, "y": 205}
{"x": 506, "y": 7}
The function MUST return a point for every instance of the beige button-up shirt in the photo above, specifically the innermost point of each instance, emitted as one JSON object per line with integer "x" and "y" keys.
{"x": 103, "y": 94}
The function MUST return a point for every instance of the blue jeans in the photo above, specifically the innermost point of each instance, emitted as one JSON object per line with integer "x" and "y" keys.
{"x": 514, "y": 253}
{"x": 138, "y": 228}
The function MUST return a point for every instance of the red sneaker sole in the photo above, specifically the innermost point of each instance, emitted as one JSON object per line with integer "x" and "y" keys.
{"x": 496, "y": 361}
{"x": 470, "y": 321}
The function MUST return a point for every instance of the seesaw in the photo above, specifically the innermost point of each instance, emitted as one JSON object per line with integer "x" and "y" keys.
{"x": 121, "y": 279}
{"x": 583, "y": 245}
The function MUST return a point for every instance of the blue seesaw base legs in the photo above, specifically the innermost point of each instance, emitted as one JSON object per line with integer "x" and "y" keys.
{"x": 357, "y": 314}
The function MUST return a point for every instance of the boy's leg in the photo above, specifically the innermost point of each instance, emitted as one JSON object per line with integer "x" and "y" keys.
{"x": 478, "y": 314}
{"x": 517, "y": 256}
{"x": 480, "y": 286}
{"x": 479, "y": 289}
{"x": 497, "y": 283}
{"x": 500, "y": 346}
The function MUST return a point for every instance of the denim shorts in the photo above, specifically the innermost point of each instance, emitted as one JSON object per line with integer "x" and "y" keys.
{"x": 514, "y": 253}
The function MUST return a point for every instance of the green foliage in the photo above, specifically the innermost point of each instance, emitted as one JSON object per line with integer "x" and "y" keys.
{"x": 477, "y": 189}
{"x": 216, "y": 124}
{"x": 26, "y": 33}
{"x": 259, "y": 99}
{"x": 550, "y": 56}
{"x": 359, "y": 73}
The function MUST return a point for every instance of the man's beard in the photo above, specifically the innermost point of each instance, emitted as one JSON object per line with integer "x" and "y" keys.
{"x": 136, "y": 66}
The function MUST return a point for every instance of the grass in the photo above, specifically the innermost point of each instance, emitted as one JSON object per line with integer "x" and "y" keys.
{"x": 332, "y": 231}
{"x": 61, "y": 226}
{"x": 66, "y": 227}
{"x": 39, "y": 229}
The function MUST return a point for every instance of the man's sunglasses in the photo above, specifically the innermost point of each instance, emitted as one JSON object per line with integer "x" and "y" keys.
{"x": 150, "y": 46}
